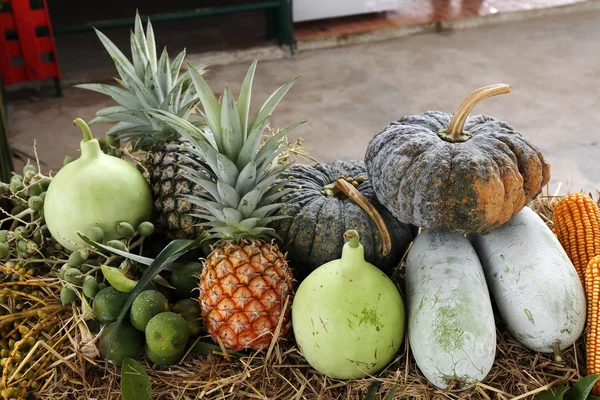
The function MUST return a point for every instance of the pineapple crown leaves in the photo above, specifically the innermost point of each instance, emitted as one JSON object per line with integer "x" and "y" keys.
{"x": 147, "y": 82}
{"x": 238, "y": 175}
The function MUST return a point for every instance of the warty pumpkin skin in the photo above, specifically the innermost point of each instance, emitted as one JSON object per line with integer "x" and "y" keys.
{"x": 319, "y": 216}
{"x": 465, "y": 174}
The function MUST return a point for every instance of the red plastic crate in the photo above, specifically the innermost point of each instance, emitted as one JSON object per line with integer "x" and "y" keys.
{"x": 27, "y": 49}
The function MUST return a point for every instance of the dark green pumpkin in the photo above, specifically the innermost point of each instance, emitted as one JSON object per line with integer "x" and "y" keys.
{"x": 455, "y": 172}
{"x": 314, "y": 233}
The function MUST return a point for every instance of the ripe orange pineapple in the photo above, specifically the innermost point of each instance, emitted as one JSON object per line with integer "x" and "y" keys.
{"x": 246, "y": 279}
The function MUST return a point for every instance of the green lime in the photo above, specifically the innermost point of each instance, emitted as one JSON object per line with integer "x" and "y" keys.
{"x": 108, "y": 303}
{"x": 164, "y": 360}
{"x": 128, "y": 342}
{"x": 145, "y": 306}
{"x": 189, "y": 309}
{"x": 184, "y": 278}
{"x": 167, "y": 333}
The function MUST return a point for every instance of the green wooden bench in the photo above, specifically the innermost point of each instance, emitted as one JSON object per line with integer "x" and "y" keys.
{"x": 278, "y": 12}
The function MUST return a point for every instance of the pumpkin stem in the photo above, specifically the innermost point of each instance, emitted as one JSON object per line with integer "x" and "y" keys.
{"x": 353, "y": 237}
{"x": 558, "y": 355}
{"x": 455, "y": 131}
{"x": 87, "y": 133}
{"x": 349, "y": 190}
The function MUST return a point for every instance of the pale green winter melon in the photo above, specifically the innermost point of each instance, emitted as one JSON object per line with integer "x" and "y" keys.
{"x": 533, "y": 282}
{"x": 450, "y": 318}
{"x": 348, "y": 316}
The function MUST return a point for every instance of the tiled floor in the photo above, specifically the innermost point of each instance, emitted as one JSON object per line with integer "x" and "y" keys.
{"x": 417, "y": 12}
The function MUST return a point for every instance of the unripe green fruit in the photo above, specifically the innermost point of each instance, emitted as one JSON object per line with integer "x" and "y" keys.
{"x": 4, "y": 188}
{"x": 29, "y": 174}
{"x": 125, "y": 229}
{"x": 78, "y": 257}
{"x": 29, "y": 167}
{"x": 146, "y": 228}
{"x": 17, "y": 210}
{"x": 21, "y": 232}
{"x": 67, "y": 295}
{"x": 45, "y": 231}
{"x": 35, "y": 190}
{"x": 90, "y": 287}
{"x": 95, "y": 190}
{"x": 101, "y": 286}
{"x": 3, "y": 236}
{"x": 73, "y": 275}
{"x": 43, "y": 196}
{"x": 62, "y": 270}
{"x": 16, "y": 178}
{"x": 3, "y": 251}
{"x": 45, "y": 183}
{"x": 96, "y": 234}
{"x": 22, "y": 245}
{"x": 16, "y": 186}
{"x": 117, "y": 244}
{"x": 35, "y": 203}
{"x": 37, "y": 238}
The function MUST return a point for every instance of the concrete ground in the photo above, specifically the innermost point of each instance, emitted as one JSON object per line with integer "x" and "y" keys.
{"x": 349, "y": 93}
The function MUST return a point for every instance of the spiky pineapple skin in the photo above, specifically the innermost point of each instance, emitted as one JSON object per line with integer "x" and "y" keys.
{"x": 168, "y": 183}
{"x": 243, "y": 292}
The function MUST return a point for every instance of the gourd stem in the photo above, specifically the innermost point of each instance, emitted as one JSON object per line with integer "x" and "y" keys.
{"x": 457, "y": 123}
{"x": 558, "y": 356}
{"x": 353, "y": 237}
{"x": 357, "y": 197}
{"x": 87, "y": 133}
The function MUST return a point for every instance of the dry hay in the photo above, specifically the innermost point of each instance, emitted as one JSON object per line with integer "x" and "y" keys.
{"x": 282, "y": 373}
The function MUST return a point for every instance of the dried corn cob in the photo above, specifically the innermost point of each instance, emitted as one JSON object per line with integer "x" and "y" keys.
{"x": 592, "y": 284}
{"x": 577, "y": 224}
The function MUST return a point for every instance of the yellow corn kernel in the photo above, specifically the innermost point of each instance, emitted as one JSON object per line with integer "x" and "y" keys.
{"x": 592, "y": 285}
{"x": 577, "y": 225}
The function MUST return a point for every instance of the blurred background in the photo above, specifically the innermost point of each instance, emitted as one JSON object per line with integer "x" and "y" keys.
{"x": 364, "y": 64}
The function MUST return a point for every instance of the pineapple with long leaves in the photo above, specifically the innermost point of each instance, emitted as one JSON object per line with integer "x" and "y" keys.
{"x": 152, "y": 82}
{"x": 245, "y": 279}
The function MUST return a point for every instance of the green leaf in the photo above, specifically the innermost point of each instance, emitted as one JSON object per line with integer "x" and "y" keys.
{"x": 229, "y": 196}
{"x": 231, "y": 130}
{"x": 137, "y": 54}
{"x": 135, "y": 383}
{"x": 248, "y": 224}
{"x": 243, "y": 103}
{"x": 176, "y": 65}
{"x": 249, "y": 202}
{"x": 552, "y": 394}
{"x": 121, "y": 96}
{"x": 251, "y": 145}
{"x": 372, "y": 390}
{"x": 592, "y": 397}
{"x": 246, "y": 179}
{"x": 124, "y": 254}
{"x": 151, "y": 46}
{"x": 211, "y": 105}
{"x": 232, "y": 216}
{"x": 159, "y": 280}
{"x": 210, "y": 349}
{"x": 272, "y": 102}
{"x": 171, "y": 253}
{"x": 582, "y": 388}
{"x": 391, "y": 393}
{"x": 226, "y": 170}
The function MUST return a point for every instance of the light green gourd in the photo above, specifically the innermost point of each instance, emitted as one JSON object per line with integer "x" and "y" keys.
{"x": 348, "y": 316}
{"x": 96, "y": 190}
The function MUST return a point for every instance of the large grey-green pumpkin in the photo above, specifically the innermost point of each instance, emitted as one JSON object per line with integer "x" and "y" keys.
{"x": 319, "y": 215}
{"x": 455, "y": 172}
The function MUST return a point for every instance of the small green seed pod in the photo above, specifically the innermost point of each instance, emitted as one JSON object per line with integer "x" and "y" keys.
{"x": 117, "y": 244}
{"x": 85, "y": 269}
{"x": 78, "y": 257}
{"x": 96, "y": 234}
{"x": 43, "y": 196}
{"x": 45, "y": 183}
{"x": 4, "y": 188}
{"x": 21, "y": 232}
{"x": 17, "y": 210}
{"x": 22, "y": 245}
{"x": 4, "y": 251}
{"x": 67, "y": 295}
{"x": 29, "y": 167}
{"x": 62, "y": 270}
{"x": 74, "y": 276}
{"x": 3, "y": 236}
{"x": 29, "y": 175}
{"x": 125, "y": 229}
{"x": 146, "y": 228}
{"x": 45, "y": 231}
{"x": 16, "y": 177}
{"x": 35, "y": 203}
{"x": 90, "y": 287}
{"x": 16, "y": 185}
{"x": 67, "y": 160}
{"x": 101, "y": 286}
{"x": 35, "y": 190}
{"x": 37, "y": 238}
